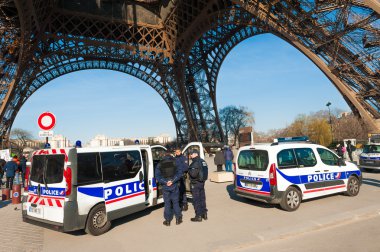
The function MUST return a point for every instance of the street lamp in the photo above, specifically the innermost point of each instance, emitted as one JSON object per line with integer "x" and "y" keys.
{"x": 332, "y": 134}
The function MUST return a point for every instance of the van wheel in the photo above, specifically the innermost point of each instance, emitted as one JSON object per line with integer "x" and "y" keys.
{"x": 291, "y": 199}
{"x": 353, "y": 186}
{"x": 97, "y": 222}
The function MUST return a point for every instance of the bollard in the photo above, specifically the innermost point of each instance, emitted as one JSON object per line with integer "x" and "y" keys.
{"x": 16, "y": 194}
{"x": 5, "y": 193}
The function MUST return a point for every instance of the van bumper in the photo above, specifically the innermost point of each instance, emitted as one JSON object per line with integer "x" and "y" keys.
{"x": 42, "y": 223}
{"x": 273, "y": 198}
{"x": 72, "y": 220}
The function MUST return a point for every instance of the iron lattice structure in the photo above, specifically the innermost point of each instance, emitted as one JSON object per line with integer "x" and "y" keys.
{"x": 177, "y": 47}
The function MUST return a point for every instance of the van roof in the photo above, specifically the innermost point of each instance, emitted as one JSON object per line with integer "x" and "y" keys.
{"x": 270, "y": 146}
{"x": 101, "y": 149}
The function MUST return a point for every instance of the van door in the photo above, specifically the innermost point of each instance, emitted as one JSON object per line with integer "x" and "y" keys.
{"x": 158, "y": 152}
{"x": 251, "y": 172}
{"x": 47, "y": 185}
{"x": 310, "y": 173}
{"x": 123, "y": 176}
{"x": 334, "y": 172}
{"x": 89, "y": 181}
{"x": 186, "y": 152}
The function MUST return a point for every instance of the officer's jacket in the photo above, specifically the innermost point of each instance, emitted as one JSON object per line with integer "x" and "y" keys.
{"x": 163, "y": 181}
{"x": 181, "y": 163}
{"x": 194, "y": 168}
{"x": 10, "y": 168}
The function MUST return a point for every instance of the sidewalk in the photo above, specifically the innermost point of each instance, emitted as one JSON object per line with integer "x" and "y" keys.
{"x": 18, "y": 236}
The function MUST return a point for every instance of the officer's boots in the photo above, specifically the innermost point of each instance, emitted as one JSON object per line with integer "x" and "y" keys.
{"x": 196, "y": 219}
{"x": 166, "y": 223}
{"x": 204, "y": 216}
{"x": 178, "y": 221}
{"x": 185, "y": 207}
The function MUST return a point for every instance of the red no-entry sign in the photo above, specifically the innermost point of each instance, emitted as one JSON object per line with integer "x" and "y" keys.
{"x": 46, "y": 121}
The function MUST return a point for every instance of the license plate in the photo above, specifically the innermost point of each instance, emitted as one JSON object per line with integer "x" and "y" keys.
{"x": 251, "y": 185}
{"x": 35, "y": 210}
{"x": 370, "y": 162}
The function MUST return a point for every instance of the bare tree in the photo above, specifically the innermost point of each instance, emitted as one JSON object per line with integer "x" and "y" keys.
{"x": 19, "y": 140}
{"x": 233, "y": 118}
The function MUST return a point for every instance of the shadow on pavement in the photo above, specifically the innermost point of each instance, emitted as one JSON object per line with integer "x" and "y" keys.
{"x": 371, "y": 182}
{"x": 123, "y": 220}
{"x": 233, "y": 196}
{"x": 5, "y": 203}
{"x": 370, "y": 171}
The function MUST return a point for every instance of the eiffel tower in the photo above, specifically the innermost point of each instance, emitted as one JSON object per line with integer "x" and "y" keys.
{"x": 178, "y": 46}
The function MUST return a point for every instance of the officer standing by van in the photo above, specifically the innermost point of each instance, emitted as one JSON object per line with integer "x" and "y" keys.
{"x": 168, "y": 174}
{"x": 10, "y": 169}
{"x": 198, "y": 175}
{"x": 182, "y": 164}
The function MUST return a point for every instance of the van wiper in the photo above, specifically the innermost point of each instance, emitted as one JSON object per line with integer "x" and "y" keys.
{"x": 44, "y": 173}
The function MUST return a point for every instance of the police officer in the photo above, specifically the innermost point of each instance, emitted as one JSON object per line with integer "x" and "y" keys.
{"x": 10, "y": 168}
{"x": 198, "y": 186}
{"x": 182, "y": 164}
{"x": 168, "y": 174}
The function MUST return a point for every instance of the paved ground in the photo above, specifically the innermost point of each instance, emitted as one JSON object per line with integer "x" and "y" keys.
{"x": 234, "y": 224}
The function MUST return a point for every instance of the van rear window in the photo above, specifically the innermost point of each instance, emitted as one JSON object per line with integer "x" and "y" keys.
{"x": 47, "y": 169}
{"x": 254, "y": 160}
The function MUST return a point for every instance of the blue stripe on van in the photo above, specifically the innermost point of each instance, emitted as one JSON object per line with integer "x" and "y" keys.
{"x": 92, "y": 191}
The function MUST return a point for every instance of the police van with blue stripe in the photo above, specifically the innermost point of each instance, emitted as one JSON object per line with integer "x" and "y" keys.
{"x": 369, "y": 159}
{"x": 291, "y": 170}
{"x": 86, "y": 188}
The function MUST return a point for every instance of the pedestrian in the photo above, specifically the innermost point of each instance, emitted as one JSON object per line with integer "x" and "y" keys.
{"x": 228, "y": 157}
{"x": 23, "y": 169}
{"x": 198, "y": 172}
{"x": 168, "y": 174}
{"x": 10, "y": 169}
{"x": 339, "y": 150}
{"x": 350, "y": 148}
{"x": 182, "y": 164}
{"x": 219, "y": 160}
{"x": 2, "y": 163}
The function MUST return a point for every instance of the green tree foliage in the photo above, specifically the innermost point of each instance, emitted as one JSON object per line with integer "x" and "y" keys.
{"x": 233, "y": 118}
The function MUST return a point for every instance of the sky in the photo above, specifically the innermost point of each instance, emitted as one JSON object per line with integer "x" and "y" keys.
{"x": 264, "y": 73}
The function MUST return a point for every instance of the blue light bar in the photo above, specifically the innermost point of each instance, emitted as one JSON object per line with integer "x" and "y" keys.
{"x": 292, "y": 139}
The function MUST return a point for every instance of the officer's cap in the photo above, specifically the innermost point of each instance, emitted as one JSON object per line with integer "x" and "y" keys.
{"x": 194, "y": 151}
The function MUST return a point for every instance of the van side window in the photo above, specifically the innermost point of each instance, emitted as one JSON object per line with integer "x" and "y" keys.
{"x": 327, "y": 157}
{"x": 120, "y": 165}
{"x": 305, "y": 157}
{"x": 89, "y": 170}
{"x": 254, "y": 160}
{"x": 286, "y": 159}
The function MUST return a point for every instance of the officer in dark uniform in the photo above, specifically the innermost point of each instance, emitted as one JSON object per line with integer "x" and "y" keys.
{"x": 168, "y": 174}
{"x": 182, "y": 164}
{"x": 197, "y": 187}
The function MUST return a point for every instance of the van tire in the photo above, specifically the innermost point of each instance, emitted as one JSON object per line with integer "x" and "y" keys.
{"x": 97, "y": 222}
{"x": 291, "y": 199}
{"x": 353, "y": 186}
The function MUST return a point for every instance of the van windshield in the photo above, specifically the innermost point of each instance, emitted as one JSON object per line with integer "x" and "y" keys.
{"x": 48, "y": 167}
{"x": 371, "y": 148}
{"x": 255, "y": 160}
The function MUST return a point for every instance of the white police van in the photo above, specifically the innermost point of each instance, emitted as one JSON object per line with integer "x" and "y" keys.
{"x": 370, "y": 157}
{"x": 291, "y": 170}
{"x": 86, "y": 188}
